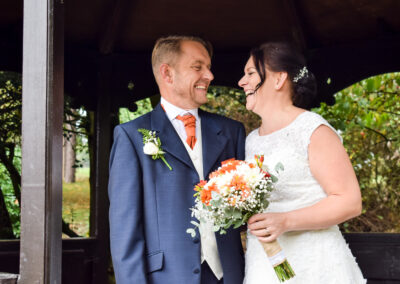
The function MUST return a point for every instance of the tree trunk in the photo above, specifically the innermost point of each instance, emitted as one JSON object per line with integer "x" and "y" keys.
{"x": 13, "y": 172}
{"x": 68, "y": 231}
{"x": 69, "y": 154}
{"x": 15, "y": 176}
{"x": 6, "y": 231}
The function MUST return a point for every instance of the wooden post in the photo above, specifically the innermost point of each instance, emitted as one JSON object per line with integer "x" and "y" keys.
{"x": 42, "y": 117}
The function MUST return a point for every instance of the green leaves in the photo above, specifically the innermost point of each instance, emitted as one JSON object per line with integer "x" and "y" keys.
{"x": 143, "y": 107}
{"x": 279, "y": 167}
{"x": 273, "y": 178}
{"x": 10, "y": 141}
{"x": 216, "y": 202}
{"x": 147, "y": 135}
{"x": 368, "y": 117}
{"x": 237, "y": 224}
{"x": 236, "y": 214}
{"x": 246, "y": 217}
{"x": 192, "y": 232}
{"x": 230, "y": 102}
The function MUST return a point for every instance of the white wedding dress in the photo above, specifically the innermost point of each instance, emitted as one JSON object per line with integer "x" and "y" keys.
{"x": 319, "y": 256}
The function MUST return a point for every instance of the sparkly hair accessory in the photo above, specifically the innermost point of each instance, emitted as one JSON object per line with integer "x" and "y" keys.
{"x": 302, "y": 73}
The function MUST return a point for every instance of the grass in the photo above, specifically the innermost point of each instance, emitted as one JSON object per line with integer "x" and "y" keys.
{"x": 76, "y": 203}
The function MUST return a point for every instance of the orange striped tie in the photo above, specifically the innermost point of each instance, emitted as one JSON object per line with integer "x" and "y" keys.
{"x": 189, "y": 121}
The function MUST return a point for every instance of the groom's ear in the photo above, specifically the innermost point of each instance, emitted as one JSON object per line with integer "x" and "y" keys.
{"x": 280, "y": 79}
{"x": 166, "y": 73}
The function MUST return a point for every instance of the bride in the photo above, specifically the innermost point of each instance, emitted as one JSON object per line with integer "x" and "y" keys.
{"x": 316, "y": 190}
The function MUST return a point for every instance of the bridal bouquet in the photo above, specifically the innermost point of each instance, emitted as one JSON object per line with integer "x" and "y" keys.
{"x": 236, "y": 191}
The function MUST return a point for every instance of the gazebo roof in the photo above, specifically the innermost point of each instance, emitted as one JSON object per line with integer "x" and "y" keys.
{"x": 343, "y": 40}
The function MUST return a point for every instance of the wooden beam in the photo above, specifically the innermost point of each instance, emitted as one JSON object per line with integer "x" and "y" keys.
{"x": 42, "y": 118}
{"x": 296, "y": 24}
{"x": 112, "y": 28}
{"x": 11, "y": 48}
{"x": 347, "y": 64}
{"x": 343, "y": 64}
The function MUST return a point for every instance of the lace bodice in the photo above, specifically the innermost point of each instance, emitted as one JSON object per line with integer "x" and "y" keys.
{"x": 296, "y": 186}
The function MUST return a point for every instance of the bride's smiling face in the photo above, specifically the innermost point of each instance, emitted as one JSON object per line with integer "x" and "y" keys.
{"x": 249, "y": 83}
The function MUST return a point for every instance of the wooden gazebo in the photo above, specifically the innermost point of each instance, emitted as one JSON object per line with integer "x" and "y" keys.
{"x": 93, "y": 50}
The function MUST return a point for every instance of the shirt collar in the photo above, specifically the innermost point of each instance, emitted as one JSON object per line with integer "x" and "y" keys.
{"x": 173, "y": 111}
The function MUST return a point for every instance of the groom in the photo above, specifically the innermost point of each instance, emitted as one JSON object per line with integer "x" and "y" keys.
{"x": 149, "y": 203}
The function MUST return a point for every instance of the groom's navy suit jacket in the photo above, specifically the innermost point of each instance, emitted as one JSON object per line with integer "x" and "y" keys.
{"x": 149, "y": 204}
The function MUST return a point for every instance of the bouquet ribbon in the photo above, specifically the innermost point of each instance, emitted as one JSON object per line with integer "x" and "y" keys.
{"x": 278, "y": 260}
{"x": 274, "y": 252}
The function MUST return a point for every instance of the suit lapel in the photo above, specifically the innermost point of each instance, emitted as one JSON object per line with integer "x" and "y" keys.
{"x": 213, "y": 141}
{"x": 170, "y": 141}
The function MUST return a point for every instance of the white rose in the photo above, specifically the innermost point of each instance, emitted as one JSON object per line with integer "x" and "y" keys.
{"x": 150, "y": 148}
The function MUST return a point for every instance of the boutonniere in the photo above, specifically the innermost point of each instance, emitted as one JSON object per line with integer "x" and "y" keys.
{"x": 152, "y": 145}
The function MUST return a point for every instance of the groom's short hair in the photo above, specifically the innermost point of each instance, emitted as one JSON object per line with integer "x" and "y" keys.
{"x": 167, "y": 49}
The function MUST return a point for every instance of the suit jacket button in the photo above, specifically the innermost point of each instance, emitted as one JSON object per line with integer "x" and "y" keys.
{"x": 196, "y": 271}
{"x": 196, "y": 240}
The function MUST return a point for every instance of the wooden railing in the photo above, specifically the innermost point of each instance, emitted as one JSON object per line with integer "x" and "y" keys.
{"x": 78, "y": 259}
{"x": 378, "y": 255}
{"x": 7, "y": 278}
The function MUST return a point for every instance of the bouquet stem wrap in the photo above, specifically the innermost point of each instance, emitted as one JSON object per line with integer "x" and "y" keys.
{"x": 278, "y": 260}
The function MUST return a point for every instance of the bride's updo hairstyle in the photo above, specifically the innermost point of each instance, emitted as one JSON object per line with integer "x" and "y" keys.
{"x": 282, "y": 57}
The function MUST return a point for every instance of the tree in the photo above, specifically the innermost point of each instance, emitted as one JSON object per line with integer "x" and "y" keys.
{"x": 10, "y": 150}
{"x": 10, "y": 135}
{"x": 367, "y": 115}
{"x": 6, "y": 230}
{"x": 143, "y": 106}
{"x": 230, "y": 102}
{"x": 77, "y": 129}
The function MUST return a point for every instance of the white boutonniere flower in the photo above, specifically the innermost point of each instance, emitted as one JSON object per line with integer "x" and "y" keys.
{"x": 151, "y": 149}
{"x": 152, "y": 146}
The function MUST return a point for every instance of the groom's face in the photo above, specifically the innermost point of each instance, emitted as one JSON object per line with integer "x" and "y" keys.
{"x": 192, "y": 75}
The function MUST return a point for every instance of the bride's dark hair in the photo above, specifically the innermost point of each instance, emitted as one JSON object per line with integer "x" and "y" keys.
{"x": 282, "y": 57}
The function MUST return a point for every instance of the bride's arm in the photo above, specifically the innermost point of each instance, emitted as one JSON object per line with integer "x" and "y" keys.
{"x": 331, "y": 167}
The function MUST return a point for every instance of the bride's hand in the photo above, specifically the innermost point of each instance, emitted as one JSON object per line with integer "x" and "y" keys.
{"x": 267, "y": 226}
